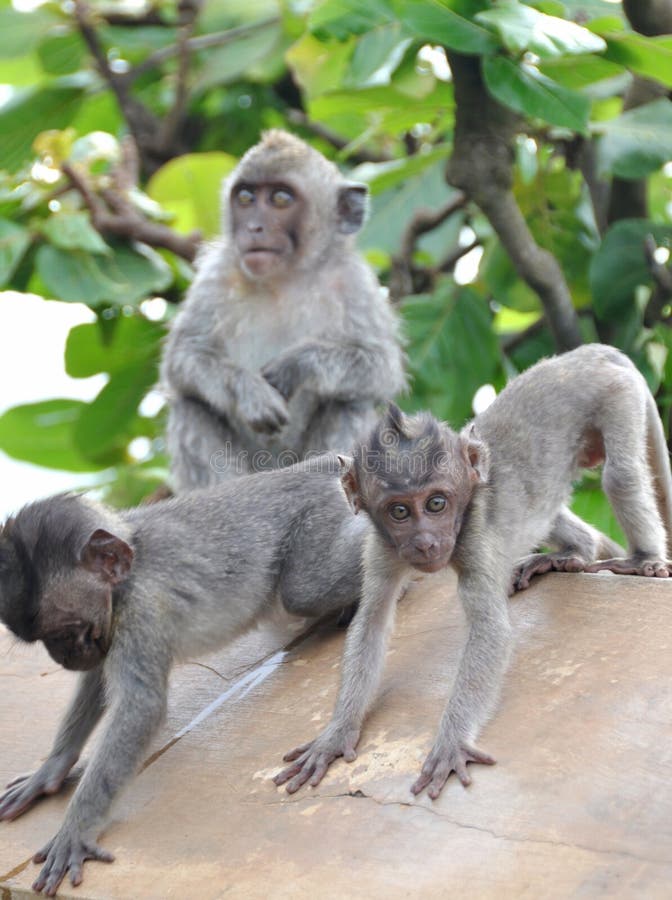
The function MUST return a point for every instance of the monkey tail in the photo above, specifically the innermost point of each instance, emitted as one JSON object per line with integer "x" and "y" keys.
{"x": 659, "y": 463}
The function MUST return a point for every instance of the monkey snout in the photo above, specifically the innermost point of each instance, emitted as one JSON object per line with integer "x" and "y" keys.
{"x": 427, "y": 545}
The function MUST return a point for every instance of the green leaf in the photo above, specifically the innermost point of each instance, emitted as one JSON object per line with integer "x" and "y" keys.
{"x": 391, "y": 210}
{"x": 319, "y": 67}
{"x": 637, "y": 142}
{"x": 452, "y": 351}
{"x": 30, "y": 112}
{"x": 650, "y": 57}
{"x": 42, "y": 434}
{"x": 445, "y": 23}
{"x": 62, "y": 54}
{"x": 14, "y": 241}
{"x": 125, "y": 277}
{"x": 112, "y": 347}
{"x": 105, "y": 425}
{"x": 523, "y": 28}
{"x": 377, "y": 55}
{"x": 524, "y": 89}
{"x": 590, "y": 504}
{"x": 342, "y": 18}
{"x": 620, "y": 265}
{"x": 185, "y": 187}
{"x": 381, "y": 177}
{"x": 73, "y": 231}
{"x": 226, "y": 64}
{"x": 22, "y": 31}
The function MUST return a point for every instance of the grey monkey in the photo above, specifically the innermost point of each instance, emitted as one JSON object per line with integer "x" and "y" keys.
{"x": 479, "y": 501}
{"x": 285, "y": 342}
{"x": 123, "y": 596}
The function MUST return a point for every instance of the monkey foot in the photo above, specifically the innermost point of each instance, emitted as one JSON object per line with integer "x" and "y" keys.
{"x": 540, "y": 564}
{"x": 442, "y": 761}
{"x": 633, "y": 565}
{"x": 65, "y": 853}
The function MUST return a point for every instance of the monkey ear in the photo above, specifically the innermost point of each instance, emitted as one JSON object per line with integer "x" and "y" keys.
{"x": 107, "y": 555}
{"x": 349, "y": 482}
{"x": 477, "y": 455}
{"x": 352, "y": 205}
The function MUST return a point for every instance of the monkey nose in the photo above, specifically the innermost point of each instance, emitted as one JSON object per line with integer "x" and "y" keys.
{"x": 426, "y": 545}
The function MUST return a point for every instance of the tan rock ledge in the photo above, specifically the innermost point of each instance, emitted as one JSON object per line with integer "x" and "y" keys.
{"x": 579, "y": 804}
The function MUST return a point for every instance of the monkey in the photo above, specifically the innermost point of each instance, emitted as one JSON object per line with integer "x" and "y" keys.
{"x": 285, "y": 342}
{"x": 478, "y": 501}
{"x": 122, "y": 596}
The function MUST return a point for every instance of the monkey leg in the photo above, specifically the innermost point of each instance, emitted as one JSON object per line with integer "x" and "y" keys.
{"x": 577, "y": 544}
{"x": 205, "y": 449}
{"x": 332, "y": 584}
{"x": 629, "y": 484}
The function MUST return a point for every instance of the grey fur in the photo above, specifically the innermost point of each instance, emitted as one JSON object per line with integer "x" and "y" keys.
{"x": 282, "y": 366}
{"x": 537, "y": 431}
{"x": 207, "y": 566}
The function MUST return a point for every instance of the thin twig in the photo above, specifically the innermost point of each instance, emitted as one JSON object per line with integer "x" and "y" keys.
{"x": 113, "y": 213}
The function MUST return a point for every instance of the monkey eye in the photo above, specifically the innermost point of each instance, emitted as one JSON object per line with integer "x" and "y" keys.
{"x": 399, "y": 512}
{"x": 281, "y": 198}
{"x": 245, "y": 197}
{"x": 436, "y": 504}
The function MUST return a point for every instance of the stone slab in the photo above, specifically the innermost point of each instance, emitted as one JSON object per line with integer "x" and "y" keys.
{"x": 579, "y": 804}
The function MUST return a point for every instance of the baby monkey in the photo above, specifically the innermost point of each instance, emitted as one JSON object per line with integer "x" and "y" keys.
{"x": 478, "y": 501}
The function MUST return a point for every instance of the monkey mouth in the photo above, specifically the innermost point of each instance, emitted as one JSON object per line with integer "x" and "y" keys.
{"x": 428, "y": 566}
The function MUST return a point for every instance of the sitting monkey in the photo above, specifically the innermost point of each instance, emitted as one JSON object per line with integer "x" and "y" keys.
{"x": 478, "y": 501}
{"x": 285, "y": 342}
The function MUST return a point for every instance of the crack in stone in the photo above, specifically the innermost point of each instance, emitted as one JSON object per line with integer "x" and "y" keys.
{"x": 360, "y": 795}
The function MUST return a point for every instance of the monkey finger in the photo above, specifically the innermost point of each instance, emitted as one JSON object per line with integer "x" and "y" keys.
{"x": 297, "y": 752}
{"x": 300, "y": 779}
{"x": 286, "y": 774}
{"x": 462, "y": 773}
{"x": 479, "y": 756}
{"x": 321, "y": 769}
{"x": 420, "y": 784}
{"x": 18, "y": 780}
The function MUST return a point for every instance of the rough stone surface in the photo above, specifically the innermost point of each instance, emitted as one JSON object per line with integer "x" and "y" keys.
{"x": 579, "y": 804}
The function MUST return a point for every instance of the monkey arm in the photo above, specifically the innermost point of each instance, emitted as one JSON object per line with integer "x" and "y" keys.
{"x": 339, "y": 369}
{"x": 81, "y": 718}
{"x": 481, "y": 670}
{"x": 137, "y": 691}
{"x": 195, "y": 368}
{"x": 363, "y": 658}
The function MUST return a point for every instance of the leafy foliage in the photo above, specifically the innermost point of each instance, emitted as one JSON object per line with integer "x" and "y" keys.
{"x": 369, "y": 85}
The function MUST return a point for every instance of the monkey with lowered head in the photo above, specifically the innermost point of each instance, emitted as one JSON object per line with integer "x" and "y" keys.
{"x": 479, "y": 501}
{"x": 122, "y": 596}
{"x": 285, "y": 342}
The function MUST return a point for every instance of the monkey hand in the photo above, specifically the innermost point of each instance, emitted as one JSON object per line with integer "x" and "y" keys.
{"x": 64, "y": 853}
{"x": 447, "y": 757}
{"x": 311, "y": 761}
{"x": 261, "y": 407}
{"x": 284, "y": 374}
{"x": 25, "y": 790}
{"x": 540, "y": 564}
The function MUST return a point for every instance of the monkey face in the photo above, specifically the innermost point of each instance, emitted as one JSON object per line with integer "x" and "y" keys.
{"x": 422, "y": 526}
{"x": 75, "y": 620}
{"x": 266, "y": 220}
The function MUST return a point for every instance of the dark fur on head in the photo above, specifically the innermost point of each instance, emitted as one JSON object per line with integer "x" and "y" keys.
{"x": 405, "y": 449}
{"x": 38, "y": 541}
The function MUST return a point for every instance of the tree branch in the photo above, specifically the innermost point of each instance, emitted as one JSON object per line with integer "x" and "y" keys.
{"x": 298, "y": 117}
{"x": 193, "y": 44}
{"x": 628, "y": 197}
{"x": 481, "y": 165}
{"x": 404, "y": 274}
{"x": 113, "y": 213}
